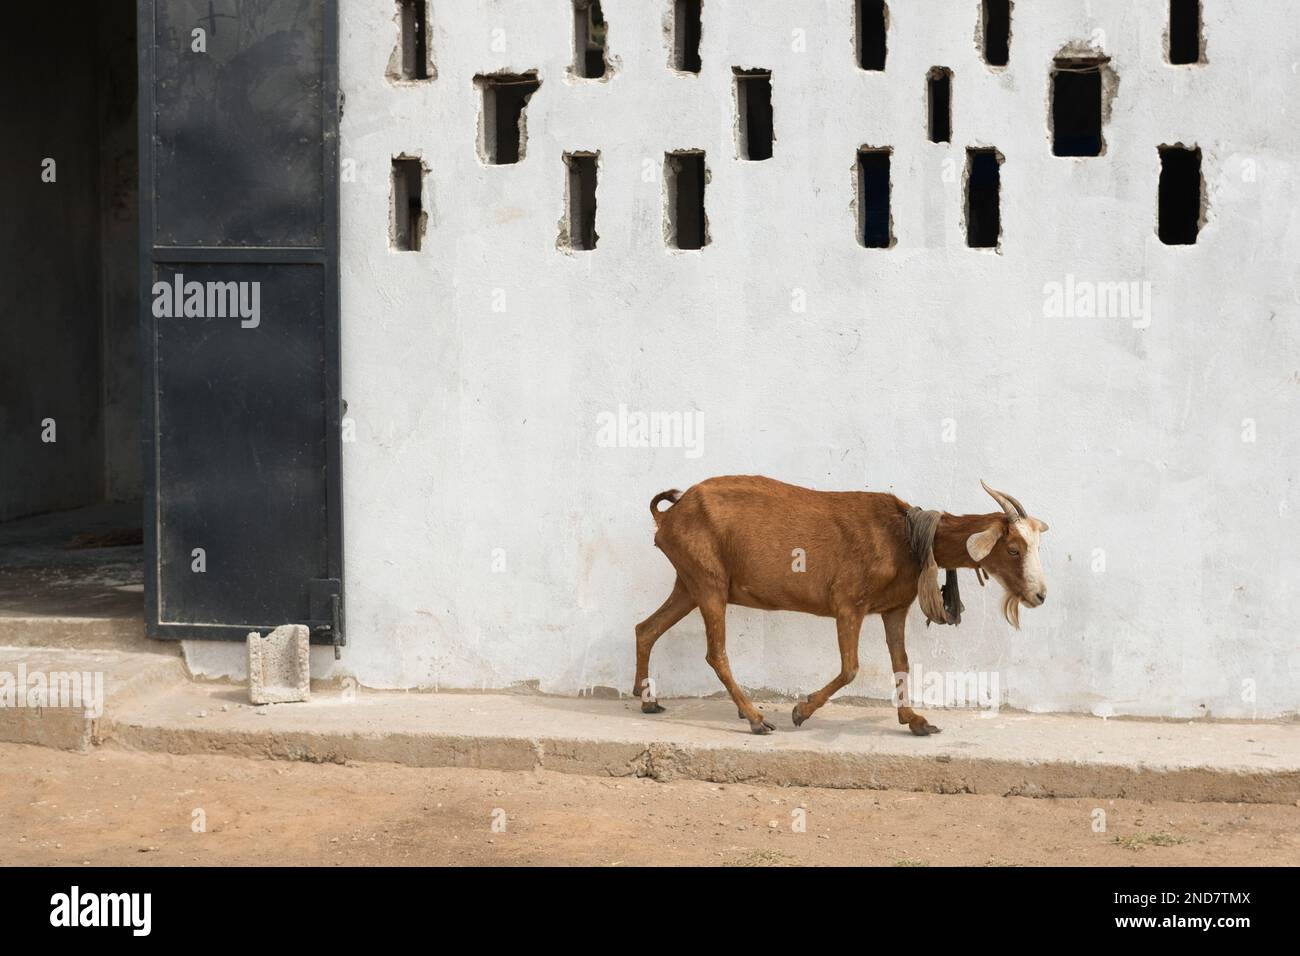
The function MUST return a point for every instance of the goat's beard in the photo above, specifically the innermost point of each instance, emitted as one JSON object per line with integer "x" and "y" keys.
{"x": 1011, "y": 609}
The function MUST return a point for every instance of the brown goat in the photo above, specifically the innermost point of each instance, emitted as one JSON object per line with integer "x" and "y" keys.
{"x": 761, "y": 543}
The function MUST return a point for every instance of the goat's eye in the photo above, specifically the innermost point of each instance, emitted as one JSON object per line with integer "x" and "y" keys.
{"x": 1013, "y": 552}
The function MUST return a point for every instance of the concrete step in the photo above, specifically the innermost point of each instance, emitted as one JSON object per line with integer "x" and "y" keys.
{"x": 58, "y": 696}
{"x": 843, "y": 746}
{"x": 80, "y": 632}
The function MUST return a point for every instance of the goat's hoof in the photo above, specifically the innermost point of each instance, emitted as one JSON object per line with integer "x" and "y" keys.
{"x": 741, "y": 715}
{"x": 652, "y": 707}
{"x": 922, "y": 727}
{"x": 761, "y": 726}
{"x": 797, "y": 715}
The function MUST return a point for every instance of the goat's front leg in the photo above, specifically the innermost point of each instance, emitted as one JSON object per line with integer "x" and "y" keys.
{"x": 849, "y": 627}
{"x": 895, "y": 621}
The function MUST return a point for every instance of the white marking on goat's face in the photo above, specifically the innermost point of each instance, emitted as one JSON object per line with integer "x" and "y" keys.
{"x": 1035, "y": 586}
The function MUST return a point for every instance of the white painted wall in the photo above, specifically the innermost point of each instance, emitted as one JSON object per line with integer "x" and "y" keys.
{"x": 477, "y": 429}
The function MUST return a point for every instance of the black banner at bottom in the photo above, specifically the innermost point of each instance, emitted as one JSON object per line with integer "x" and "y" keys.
{"x": 338, "y": 904}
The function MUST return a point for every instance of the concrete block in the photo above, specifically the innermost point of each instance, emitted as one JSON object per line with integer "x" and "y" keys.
{"x": 278, "y": 665}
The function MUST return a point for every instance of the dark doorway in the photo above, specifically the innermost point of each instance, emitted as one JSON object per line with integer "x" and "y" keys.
{"x": 70, "y": 398}
{"x": 227, "y": 113}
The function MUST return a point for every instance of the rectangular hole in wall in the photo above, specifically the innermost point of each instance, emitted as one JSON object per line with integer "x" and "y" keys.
{"x": 581, "y": 190}
{"x": 684, "y": 177}
{"x": 1180, "y": 195}
{"x": 983, "y": 200}
{"x": 995, "y": 20}
{"x": 754, "y": 113}
{"x": 414, "y": 39}
{"x": 871, "y": 22}
{"x": 588, "y": 39}
{"x": 503, "y": 130}
{"x": 1076, "y": 107}
{"x": 875, "y": 225}
{"x": 1184, "y": 31}
{"x": 406, "y": 219}
{"x": 687, "y": 27}
{"x": 939, "y": 102}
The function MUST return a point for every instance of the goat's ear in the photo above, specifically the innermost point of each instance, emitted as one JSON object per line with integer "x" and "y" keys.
{"x": 980, "y": 544}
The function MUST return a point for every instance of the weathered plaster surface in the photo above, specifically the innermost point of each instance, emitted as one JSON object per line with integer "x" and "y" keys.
{"x": 476, "y": 429}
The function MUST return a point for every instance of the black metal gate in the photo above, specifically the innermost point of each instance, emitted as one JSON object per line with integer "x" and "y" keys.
{"x": 239, "y": 316}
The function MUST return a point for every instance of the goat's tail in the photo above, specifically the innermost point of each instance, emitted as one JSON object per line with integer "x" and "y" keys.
{"x": 670, "y": 496}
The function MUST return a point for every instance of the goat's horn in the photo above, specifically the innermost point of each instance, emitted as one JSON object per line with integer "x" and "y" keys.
{"x": 1013, "y": 508}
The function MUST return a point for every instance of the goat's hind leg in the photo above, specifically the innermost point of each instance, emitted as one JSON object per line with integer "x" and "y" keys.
{"x": 714, "y": 611}
{"x": 679, "y": 604}
{"x": 849, "y": 628}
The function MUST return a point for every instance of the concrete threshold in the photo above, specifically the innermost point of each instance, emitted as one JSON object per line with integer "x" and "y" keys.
{"x": 843, "y": 746}
{"x": 80, "y": 632}
{"x": 59, "y": 696}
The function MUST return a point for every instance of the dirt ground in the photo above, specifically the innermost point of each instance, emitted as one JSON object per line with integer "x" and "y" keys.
{"x": 112, "y": 808}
